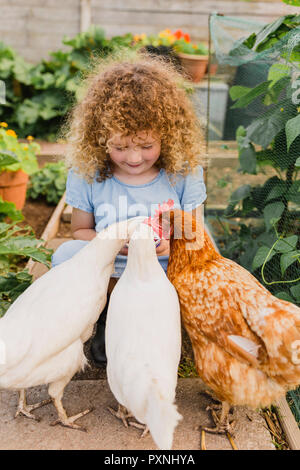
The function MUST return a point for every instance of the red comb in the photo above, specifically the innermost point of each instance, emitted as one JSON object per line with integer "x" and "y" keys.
{"x": 153, "y": 221}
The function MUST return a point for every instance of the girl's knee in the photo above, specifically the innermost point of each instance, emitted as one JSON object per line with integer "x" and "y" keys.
{"x": 66, "y": 251}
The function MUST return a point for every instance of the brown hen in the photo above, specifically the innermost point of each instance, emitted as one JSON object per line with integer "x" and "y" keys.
{"x": 246, "y": 342}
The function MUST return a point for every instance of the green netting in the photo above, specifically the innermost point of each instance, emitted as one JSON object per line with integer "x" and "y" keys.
{"x": 233, "y": 46}
{"x": 260, "y": 227}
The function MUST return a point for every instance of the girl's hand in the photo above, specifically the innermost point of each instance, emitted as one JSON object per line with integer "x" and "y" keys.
{"x": 164, "y": 248}
{"x": 124, "y": 251}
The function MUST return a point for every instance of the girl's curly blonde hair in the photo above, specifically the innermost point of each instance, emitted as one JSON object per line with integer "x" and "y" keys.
{"x": 125, "y": 96}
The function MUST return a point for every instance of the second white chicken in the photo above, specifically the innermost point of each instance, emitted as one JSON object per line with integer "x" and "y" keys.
{"x": 143, "y": 341}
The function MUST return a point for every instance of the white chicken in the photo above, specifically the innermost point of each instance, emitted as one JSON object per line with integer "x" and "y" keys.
{"x": 143, "y": 341}
{"x": 44, "y": 330}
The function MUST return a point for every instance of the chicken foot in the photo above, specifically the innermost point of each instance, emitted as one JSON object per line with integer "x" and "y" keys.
{"x": 223, "y": 425}
{"x": 140, "y": 426}
{"x": 66, "y": 421}
{"x": 122, "y": 413}
{"x": 56, "y": 390}
{"x": 25, "y": 409}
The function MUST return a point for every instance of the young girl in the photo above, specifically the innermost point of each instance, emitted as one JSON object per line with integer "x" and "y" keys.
{"x": 134, "y": 143}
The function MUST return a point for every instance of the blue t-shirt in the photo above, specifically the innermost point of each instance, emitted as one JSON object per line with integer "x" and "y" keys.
{"x": 112, "y": 200}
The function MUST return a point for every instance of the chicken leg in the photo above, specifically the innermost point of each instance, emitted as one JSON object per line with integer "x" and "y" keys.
{"x": 223, "y": 425}
{"x": 25, "y": 409}
{"x": 56, "y": 390}
{"x": 140, "y": 426}
{"x": 123, "y": 414}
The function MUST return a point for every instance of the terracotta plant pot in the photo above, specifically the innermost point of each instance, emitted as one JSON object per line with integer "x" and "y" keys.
{"x": 213, "y": 69}
{"x": 194, "y": 65}
{"x": 13, "y": 186}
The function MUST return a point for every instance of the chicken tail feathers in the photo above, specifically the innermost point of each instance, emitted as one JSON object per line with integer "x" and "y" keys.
{"x": 162, "y": 418}
{"x": 279, "y": 329}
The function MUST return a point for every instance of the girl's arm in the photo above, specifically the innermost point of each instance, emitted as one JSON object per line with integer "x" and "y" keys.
{"x": 82, "y": 225}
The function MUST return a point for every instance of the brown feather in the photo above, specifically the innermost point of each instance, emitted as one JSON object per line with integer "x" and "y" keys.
{"x": 220, "y": 299}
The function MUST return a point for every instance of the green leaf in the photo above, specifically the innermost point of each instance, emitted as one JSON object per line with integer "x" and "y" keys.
{"x": 297, "y": 164}
{"x": 295, "y": 290}
{"x": 247, "y": 98}
{"x": 262, "y": 131}
{"x": 275, "y": 89}
{"x": 8, "y": 209}
{"x": 292, "y": 129}
{"x": 267, "y": 31}
{"x": 7, "y": 158}
{"x": 247, "y": 157}
{"x": 294, "y": 3}
{"x": 238, "y": 91}
{"x": 26, "y": 113}
{"x": 277, "y": 191}
{"x": 248, "y": 205}
{"x": 287, "y": 244}
{"x": 267, "y": 238}
{"x": 272, "y": 213}
{"x": 287, "y": 259}
{"x": 261, "y": 256}
{"x": 293, "y": 193}
{"x": 49, "y": 182}
{"x": 11, "y": 286}
{"x": 284, "y": 296}
{"x": 241, "y": 193}
{"x": 278, "y": 71}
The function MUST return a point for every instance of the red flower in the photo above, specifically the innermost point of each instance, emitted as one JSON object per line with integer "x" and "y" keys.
{"x": 186, "y": 37}
{"x": 178, "y": 34}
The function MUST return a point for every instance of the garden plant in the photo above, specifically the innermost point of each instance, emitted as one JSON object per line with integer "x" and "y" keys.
{"x": 270, "y": 249}
{"x": 17, "y": 244}
{"x": 48, "y": 183}
{"x": 38, "y": 96}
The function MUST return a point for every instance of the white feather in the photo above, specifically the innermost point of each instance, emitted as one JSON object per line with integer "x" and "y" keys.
{"x": 246, "y": 344}
{"x": 44, "y": 330}
{"x": 143, "y": 340}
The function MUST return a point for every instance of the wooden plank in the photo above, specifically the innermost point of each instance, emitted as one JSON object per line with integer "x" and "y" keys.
{"x": 51, "y": 15}
{"x": 85, "y": 15}
{"x": 16, "y": 41}
{"x": 171, "y": 19}
{"x": 227, "y": 7}
{"x": 41, "y": 30}
{"x": 12, "y": 24}
{"x": 50, "y": 229}
{"x": 54, "y": 4}
{"x": 53, "y": 224}
{"x": 10, "y": 12}
{"x": 288, "y": 424}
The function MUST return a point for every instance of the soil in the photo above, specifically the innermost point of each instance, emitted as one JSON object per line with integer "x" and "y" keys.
{"x": 217, "y": 177}
{"x": 36, "y": 214}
